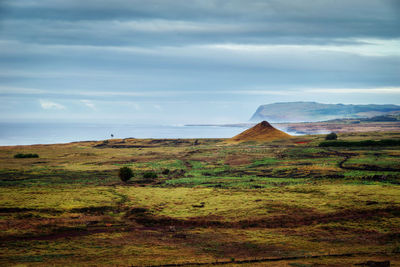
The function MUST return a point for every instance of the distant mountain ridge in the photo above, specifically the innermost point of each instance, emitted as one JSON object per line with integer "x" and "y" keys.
{"x": 313, "y": 111}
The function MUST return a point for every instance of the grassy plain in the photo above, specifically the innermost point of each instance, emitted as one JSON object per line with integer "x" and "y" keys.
{"x": 281, "y": 203}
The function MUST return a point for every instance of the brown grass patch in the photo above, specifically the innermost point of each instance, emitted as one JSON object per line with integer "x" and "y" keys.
{"x": 236, "y": 160}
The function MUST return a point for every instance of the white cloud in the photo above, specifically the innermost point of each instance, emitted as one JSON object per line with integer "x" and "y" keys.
{"x": 362, "y": 47}
{"x": 382, "y": 90}
{"x": 158, "y": 107}
{"x": 89, "y": 104}
{"x": 46, "y": 104}
{"x": 262, "y": 92}
{"x": 19, "y": 90}
{"x": 291, "y": 91}
{"x": 136, "y": 106}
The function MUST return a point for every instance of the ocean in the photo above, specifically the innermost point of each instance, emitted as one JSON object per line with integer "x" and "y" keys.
{"x": 52, "y": 133}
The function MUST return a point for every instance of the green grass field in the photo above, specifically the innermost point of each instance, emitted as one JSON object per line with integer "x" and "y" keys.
{"x": 282, "y": 203}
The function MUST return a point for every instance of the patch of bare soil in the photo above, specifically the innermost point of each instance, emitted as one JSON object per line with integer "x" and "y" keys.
{"x": 237, "y": 160}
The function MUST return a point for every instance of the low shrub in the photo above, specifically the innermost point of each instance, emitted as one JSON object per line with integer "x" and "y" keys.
{"x": 150, "y": 175}
{"x": 331, "y": 136}
{"x": 21, "y": 155}
{"x": 125, "y": 173}
{"x": 165, "y": 172}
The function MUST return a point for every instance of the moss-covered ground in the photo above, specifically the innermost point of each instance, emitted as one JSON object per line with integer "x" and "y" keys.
{"x": 281, "y": 203}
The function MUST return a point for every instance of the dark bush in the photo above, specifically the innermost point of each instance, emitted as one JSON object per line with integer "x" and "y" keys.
{"x": 331, "y": 136}
{"x": 165, "y": 172}
{"x": 364, "y": 143}
{"x": 125, "y": 173}
{"x": 150, "y": 175}
{"x": 21, "y": 156}
{"x": 381, "y": 118}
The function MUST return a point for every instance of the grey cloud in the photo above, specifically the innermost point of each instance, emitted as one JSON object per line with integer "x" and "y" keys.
{"x": 171, "y": 9}
{"x": 181, "y": 22}
{"x": 192, "y": 68}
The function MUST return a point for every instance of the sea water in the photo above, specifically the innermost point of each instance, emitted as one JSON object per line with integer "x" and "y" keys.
{"x": 52, "y": 133}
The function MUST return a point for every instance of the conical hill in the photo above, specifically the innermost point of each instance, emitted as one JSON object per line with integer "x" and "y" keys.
{"x": 261, "y": 132}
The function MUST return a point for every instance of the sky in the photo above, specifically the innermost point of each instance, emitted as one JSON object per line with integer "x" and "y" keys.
{"x": 192, "y": 61}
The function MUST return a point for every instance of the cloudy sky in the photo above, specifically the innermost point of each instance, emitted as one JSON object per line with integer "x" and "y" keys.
{"x": 192, "y": 61}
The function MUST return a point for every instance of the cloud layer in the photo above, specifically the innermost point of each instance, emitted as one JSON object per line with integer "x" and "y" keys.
{"x": 184, "y": 61}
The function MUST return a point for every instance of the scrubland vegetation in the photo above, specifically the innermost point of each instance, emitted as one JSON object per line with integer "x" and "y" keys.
{"x": 283, "y": 202}
{"x": 22, "y": 155}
